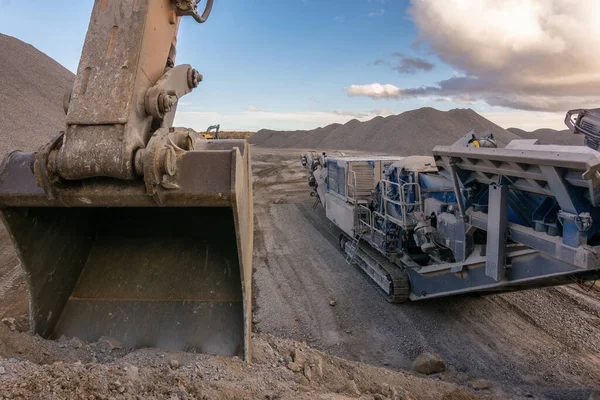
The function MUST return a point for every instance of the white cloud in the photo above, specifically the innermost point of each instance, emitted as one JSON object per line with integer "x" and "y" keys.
{"x": 253, "y": 109}
{"x": 375, "y": 91}
{"x": 339, "y": 18}
{"x": 522, "y": 54}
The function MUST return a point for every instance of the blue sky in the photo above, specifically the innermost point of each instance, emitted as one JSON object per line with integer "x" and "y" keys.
{"x": 285, "y": 64}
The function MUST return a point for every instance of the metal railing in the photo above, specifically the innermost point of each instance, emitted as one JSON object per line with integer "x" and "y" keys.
{"x": 403, "y": 203}
{"x": 368, "y": 221}
{"x": 364, "y": 223}
{"x": 383, "y": 217}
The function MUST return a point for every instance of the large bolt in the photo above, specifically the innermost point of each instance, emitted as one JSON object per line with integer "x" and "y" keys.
{"x": 138, "y": 161}
{"x": 194, "y": 78}
{"x": 168, "y": 161}
{"x": 166, "y": 102}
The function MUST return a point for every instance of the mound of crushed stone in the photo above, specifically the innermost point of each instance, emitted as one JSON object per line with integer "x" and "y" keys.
{"x": 32, "y": 86}
{"x": 33, "y": 368}
{"x": 550, "y": 136}
{"x": 412, "y": 132}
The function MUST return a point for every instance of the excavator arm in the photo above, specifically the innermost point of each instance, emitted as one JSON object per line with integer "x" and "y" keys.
{"x": 211, "y": 128}
{"x": 127, "y": 226}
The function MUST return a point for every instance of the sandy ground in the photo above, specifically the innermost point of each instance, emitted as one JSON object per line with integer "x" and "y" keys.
{"x": 539, "y": 344}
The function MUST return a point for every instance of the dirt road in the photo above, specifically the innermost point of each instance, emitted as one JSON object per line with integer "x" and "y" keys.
{"x": 546, "y": 342}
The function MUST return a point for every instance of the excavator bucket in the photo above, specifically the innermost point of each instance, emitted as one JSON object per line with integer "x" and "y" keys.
{"x": 103, "y": 258}
{"x": 126, "y": 226}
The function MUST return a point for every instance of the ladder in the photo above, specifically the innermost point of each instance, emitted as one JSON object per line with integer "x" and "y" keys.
{"x": 351, "y": 253}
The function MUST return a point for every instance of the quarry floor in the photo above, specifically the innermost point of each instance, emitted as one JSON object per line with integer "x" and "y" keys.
{"x": 542, "y": 343}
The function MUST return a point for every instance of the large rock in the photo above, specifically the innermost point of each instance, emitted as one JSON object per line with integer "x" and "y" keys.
{"x": 11, "y": 323}
{"x": 478, "y": 384}
{"x": 429, "y": 363}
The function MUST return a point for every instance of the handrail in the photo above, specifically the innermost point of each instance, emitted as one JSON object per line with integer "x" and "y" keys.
{"x": 384, "y": 217}
{"x": 402, "y": 192}
{"x": 403, "y": 204}
{"x": 363, "y": 222}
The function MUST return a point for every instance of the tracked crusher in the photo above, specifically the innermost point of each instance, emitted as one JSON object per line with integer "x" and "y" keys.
{"x": 474, "y": 218}
{"x": 126, "y": 226}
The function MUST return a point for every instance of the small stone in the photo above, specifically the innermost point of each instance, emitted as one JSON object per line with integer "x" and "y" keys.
{"x": 307, "y": 372}
{"x": 429, "y": 363}
{"x": 461, "y": 377}
{"x": 121, "y": 389}
{"x": 76, "y": 343}
{"x": 174, "y": 364}
{"x": 301, "y": 379}
{"x": 11, "y": 323}
{"x": 385, "y": 390}
{"x": 332, "y": 302}
{"x": 478, "y": 384}
{"x": 107, "y": 343}
{"x": 295, "y": 367}
{"x": 116, "y": 385}
{"x": 378, "y": 397}
{"x": 2, "y": 370}
{"x": 319, "y": 367}
{"x": 299, "y": 357}
{"x": 349, "y": 388}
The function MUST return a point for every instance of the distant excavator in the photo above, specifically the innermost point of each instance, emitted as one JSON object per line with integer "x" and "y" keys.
{"x": 125, "y": 225}
{"x": 207, "y": 134}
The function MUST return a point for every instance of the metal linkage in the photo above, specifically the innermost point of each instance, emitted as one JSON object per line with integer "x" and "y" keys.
{"x": 569, "y": 174}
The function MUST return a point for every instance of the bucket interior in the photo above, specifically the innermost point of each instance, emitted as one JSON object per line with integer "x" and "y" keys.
{"x": 159, "y": 277}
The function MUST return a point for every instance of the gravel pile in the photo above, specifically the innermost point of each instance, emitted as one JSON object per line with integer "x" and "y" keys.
{"x": 412, "y": 132}
{"x": 550, "y": 136}
{"x": 33, "y": 368}
{"x": 32, "y": 86}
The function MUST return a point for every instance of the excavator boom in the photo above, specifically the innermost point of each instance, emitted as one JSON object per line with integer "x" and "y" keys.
{"x": 127, "y": 226}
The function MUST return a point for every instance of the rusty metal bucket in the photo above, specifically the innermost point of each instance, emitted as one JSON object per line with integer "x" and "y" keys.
{"x": 103, "y": 258}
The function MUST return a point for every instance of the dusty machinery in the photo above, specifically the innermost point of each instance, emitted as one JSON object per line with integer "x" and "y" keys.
{"x": 472, "y": 218}
{"x": 127, "y": 226}
{"x": 208, "y": 135}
